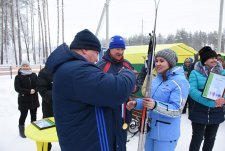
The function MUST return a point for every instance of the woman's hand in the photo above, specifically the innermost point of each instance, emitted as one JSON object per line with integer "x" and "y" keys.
{"x": 32, "y": 91}
{"x": 149, "y": 103}
{"x": 220, "y": 102}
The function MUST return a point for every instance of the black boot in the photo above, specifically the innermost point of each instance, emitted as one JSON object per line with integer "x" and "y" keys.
{"x": 21, "y": 130}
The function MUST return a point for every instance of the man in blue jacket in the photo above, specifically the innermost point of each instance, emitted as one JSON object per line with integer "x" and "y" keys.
{"x": 112, "y": 62}
{"x": 84, "y": 97}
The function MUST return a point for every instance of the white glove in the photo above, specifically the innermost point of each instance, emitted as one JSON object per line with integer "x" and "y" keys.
{"x": 32, "y": 91}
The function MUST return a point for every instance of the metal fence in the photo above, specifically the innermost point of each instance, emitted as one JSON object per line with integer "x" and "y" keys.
{"x": 13, "y": 70}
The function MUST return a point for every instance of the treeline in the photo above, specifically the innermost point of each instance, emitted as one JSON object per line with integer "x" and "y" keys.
{"x": 24, "y": 27}
{"x": 25, "y": 32}
{"x": 196, "y": 40}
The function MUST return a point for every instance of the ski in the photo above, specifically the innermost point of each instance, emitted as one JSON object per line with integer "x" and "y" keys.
{"x": 151, "y": 53}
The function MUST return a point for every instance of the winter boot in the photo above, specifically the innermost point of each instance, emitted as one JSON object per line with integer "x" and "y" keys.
{"x": 21, "y": 130}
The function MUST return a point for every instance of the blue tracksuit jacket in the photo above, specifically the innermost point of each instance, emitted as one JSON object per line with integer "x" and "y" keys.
{"x": 114, "y": 68}
{"x": 83, "y": 101}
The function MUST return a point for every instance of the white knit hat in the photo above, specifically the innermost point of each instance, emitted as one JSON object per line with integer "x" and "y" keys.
{"x": 25, "y": 62}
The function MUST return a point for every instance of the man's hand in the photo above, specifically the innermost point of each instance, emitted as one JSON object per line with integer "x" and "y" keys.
{"x": 131, "y": 104}
{"x": 136, "y": 73}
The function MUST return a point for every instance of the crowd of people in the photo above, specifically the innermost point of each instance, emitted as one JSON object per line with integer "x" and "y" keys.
{"x": 91, "y": 99}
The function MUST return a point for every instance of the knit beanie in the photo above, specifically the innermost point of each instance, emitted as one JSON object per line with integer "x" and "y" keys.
{"x": 206, "y": 53}
{"x": 86, "y": 40}
{"x": 169, "y": 55}
{"x": 25, "y": 62}
{"x": 117, "y": 42}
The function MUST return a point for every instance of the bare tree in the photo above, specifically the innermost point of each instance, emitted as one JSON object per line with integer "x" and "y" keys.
{"x": 32, "y": 31}
{"x": 62, "y": 21}
{"x": 58, "y": 22}
{"x": 41, "y": 32}
{"x": 27, "y": 29}
{"x": 45, "y": 28}
{"x": 49, "y": 35}
{"x": 2, "y": 46}
{"x": 13, "y": 31}
{"x": 18, "y": 31}
{"x": 6, "y": 37}
{"x": 25, "y": 38}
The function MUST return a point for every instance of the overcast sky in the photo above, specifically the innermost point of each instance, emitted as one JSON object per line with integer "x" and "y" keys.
{"x": 125, "y": 16}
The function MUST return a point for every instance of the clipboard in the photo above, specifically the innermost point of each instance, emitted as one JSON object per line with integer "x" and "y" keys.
{"x": 43, "y": 124}
{"x": 214, "y": 87}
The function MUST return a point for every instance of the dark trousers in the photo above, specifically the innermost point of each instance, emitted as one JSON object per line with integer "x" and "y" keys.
{"x": 23, "y": 115}
{"x": 198, "y": 132}
{"x": 186, "y": 105}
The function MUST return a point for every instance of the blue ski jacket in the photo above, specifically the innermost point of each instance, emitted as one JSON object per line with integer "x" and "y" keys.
{"x": 83, "y": 101}
{"x": 203, "y": 110}
{"x": 170, "y": 96}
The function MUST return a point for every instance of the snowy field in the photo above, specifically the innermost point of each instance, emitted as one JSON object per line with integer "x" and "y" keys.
{"x": 11, "y": 141}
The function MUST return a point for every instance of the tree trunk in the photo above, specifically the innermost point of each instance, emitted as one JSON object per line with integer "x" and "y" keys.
{"x": 32, "y": 32}
{"x": 58, "y": 22}
{"x": 18, "y": 30}
{"x": 27, "y": 32}
{"x": 6, "y": 33}
{"x": 25, "y": 39}
{"x": 45, "y": 28}
{"x": 62, "y": 21}
{"x": 49, "y": 35}
{"x": 2, "y": 46}
{"x": 13, "y": 32}
{"x": 42, "y": 34}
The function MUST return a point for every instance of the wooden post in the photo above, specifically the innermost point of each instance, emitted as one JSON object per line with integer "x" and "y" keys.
{"x": 10, "y": 71}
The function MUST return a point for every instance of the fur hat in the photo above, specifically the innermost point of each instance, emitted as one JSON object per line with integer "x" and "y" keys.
{"x": 117, "y": 42}
{"x": 205, "y": 53}
{"x": 169, "y": 55}
{"x": 25, "y": 62}
{"x": 86, "y": 40}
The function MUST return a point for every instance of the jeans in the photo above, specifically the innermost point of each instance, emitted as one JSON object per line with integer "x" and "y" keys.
{"x": 208, "y": 131}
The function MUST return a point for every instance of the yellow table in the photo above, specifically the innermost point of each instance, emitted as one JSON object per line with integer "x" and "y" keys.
{"x": 42, "y": 137}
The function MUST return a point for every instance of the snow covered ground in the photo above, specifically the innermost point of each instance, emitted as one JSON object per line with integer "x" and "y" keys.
{"x": 11, "y": 141}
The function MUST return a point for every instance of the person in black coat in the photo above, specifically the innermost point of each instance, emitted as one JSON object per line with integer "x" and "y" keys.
{"x": 25, "y": 85}
{"x": 44, "y": 86}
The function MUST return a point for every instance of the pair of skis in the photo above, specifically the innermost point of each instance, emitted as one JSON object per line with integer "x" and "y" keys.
{"x": 151, "y": 54}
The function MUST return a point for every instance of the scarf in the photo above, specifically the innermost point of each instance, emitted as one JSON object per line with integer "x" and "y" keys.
{"x": 204, "y": 70}
{"x": 26, "y": 72}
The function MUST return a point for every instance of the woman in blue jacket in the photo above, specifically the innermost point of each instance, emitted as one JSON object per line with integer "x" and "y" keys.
{"x": 169, "y": 91}
{"x": 205, "y": 114}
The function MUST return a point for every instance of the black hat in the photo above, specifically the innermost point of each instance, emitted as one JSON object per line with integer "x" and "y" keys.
{"x": 86, "y": 40}
{"x": 206, "y": 53}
